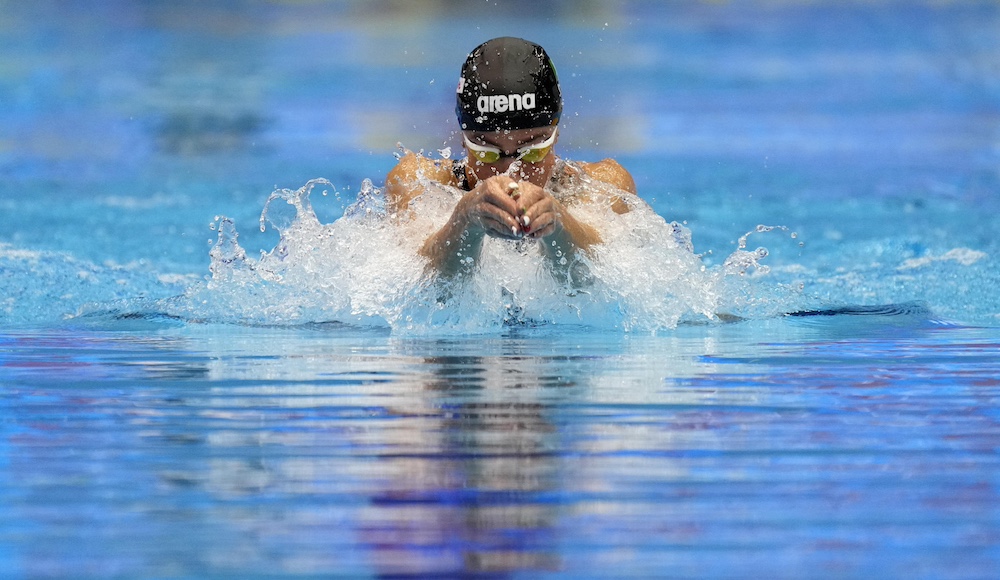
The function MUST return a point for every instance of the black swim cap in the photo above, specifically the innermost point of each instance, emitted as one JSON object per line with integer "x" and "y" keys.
{"x": 508, "y": 83}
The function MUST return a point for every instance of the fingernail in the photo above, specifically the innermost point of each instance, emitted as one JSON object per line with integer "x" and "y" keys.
{"x": 527, "y": 229}
{"x": 513, "y": 230}
{"x": 525, "y": 220}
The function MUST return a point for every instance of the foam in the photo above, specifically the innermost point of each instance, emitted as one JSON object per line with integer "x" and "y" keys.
{"x": 963, "y": 256}
{"x": 364, "y": 269}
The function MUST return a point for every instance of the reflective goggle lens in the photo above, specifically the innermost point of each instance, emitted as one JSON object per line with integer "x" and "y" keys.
{"x": 529, "y": 154}
{"x": 484, "y": 154}
{"x": 536, "y": 153}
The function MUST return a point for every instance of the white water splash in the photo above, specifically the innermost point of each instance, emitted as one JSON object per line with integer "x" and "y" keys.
{"x": 963, "y": 256}
{"x": 364, "y": 269}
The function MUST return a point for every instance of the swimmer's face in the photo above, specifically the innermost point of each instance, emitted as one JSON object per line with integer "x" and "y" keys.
{"x": 534, "y": 146}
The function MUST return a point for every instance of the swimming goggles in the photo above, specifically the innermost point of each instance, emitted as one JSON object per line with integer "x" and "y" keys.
{"x": 529, "y": 153}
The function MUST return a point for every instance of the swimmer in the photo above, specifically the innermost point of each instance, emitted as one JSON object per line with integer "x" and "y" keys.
{"x": 508, "y": 106}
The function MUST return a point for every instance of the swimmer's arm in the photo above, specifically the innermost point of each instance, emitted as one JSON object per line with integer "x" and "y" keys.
{"x": 458, "y": 239}
{"x": 575, "y": 236}
{"x": 560, "y": 248}
{"x": 402, "y": 184}
{"x": 611, "y": 172}
{"x": 571, "y": 235}
{"x": 446, "y": 248}
{"x": 486, "y": 210}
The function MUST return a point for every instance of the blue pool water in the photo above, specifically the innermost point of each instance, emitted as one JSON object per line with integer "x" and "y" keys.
{"x": 185, "y": 395}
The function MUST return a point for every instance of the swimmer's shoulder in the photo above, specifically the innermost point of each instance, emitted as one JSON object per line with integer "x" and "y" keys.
{"x": 402, "y": 182}
{"x": 611, "y": 172}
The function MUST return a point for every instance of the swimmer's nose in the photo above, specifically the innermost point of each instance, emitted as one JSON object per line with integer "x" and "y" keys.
{"x": 502, "y": 165}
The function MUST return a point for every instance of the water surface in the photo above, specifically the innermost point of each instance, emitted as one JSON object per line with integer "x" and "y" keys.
{"x": 160, "y": 417}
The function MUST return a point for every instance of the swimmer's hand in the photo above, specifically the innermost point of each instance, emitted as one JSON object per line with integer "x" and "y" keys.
{"x": 504, "y": 208}
{"x": 538, "y": 213}
{"x": 491, "y": 209}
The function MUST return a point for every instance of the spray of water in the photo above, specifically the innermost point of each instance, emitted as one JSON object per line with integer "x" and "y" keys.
{"x": 364, "y": 269}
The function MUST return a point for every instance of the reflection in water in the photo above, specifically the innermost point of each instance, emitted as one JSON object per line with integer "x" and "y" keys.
{"x": 346, "y": 453}
{"x": 476, "y": 498}
{"x": 311, "y": 452}
{"x": 366, "y": 451}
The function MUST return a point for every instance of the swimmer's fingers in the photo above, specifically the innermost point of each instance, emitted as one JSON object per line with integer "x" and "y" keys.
{"x": 496, "y": 221}
{"x": 499, "y": 191}
{"x": 541, "y": 218}
{"x": 502, "y": 226}
{"x": 490, "y": 208}
{"x": 528, "y": 196}
{"x": 542, "y": 225}
{"x": 493, "y": 209}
